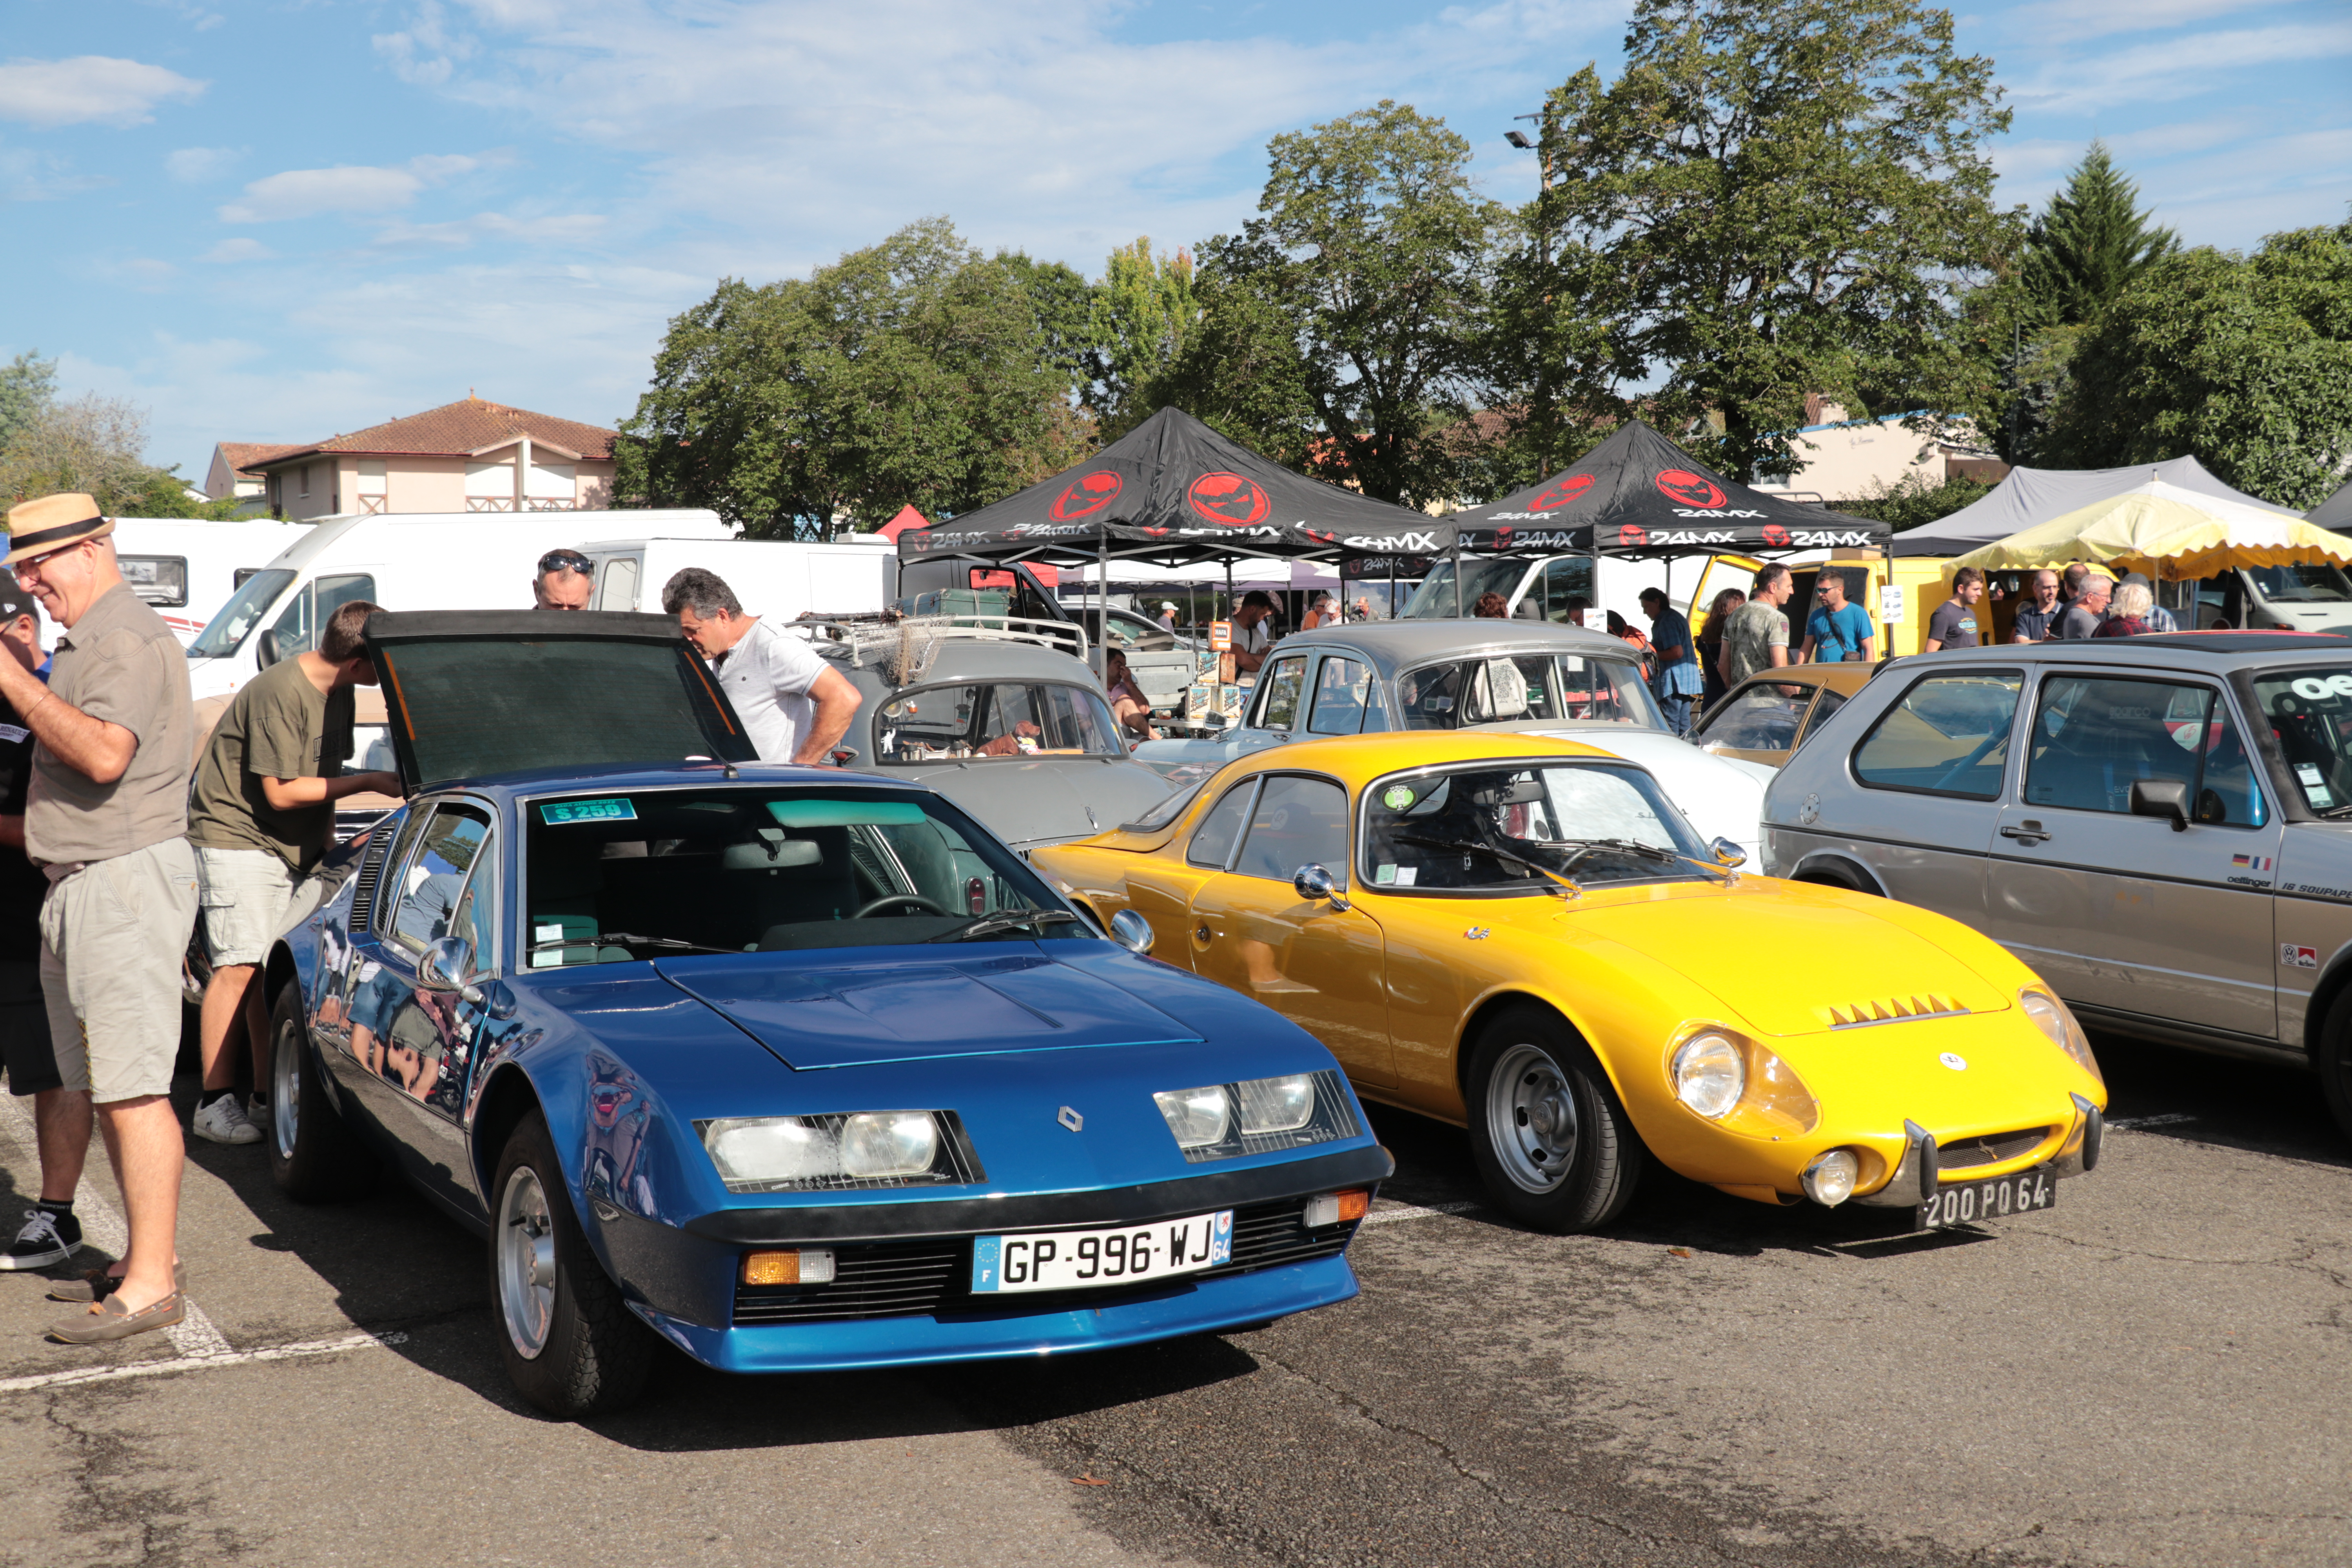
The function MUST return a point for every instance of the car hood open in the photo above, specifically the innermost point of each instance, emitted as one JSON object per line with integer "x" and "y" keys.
{"x": 907, "y": 1007}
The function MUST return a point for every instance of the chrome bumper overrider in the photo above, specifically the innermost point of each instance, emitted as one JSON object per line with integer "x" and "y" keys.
{"x": 1916, "y": 1176}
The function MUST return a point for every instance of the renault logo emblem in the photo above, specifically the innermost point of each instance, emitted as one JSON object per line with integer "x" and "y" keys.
{"x": 1071, "y": 1119}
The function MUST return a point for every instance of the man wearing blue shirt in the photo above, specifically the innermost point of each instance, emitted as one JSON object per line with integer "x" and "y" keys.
{"x": 1678, "y": 678}
{"x": 1835, "y": 631}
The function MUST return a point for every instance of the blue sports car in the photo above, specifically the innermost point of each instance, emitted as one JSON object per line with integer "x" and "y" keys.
{"x": 795, "y": 1068}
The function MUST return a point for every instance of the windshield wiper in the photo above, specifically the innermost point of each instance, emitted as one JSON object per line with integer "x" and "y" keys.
{"x": 1633, "y": 847}
{"x": 1470, "y": 846}
{"x": 628, "y": 939}
{"x": 1008, "y": 920}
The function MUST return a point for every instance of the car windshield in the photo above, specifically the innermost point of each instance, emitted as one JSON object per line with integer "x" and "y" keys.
{"x": 994, "y": 718}
{"x": 227, "y": 631}
{"x": 1762, "y": 716}
{"x": 2322, "y": 582}
{"x": 1434, "y": 601}
{"x": 609, "y": 878}
{"x": 2310, "y": 714}
{"x": 1489, "y": 828}
{"x": 1495, "y": 688}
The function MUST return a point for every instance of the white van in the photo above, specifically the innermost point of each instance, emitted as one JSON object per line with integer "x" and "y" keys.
{"x": 407, "y": 561}
{"x": 185, "y": 568}
{"x": 1537, "y": 589}
{"x": 776, "y": 578}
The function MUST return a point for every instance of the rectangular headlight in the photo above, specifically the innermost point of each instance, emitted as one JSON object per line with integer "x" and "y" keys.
{"x": 867, "y": 1149}
{"x": 1258, "y": 1115}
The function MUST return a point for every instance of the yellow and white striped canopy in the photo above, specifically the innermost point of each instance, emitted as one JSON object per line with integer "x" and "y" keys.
{"x": 2170, "y": 534}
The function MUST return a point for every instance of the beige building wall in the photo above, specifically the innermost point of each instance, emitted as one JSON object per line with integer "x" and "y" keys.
{"x": 1845, "y": 462}
{"x": 340, "y": 483}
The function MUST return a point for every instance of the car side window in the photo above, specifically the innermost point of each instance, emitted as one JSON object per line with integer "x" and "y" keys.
{"x": 1760, "y": 717}
{"x": 2094, "y": 738}
{"x": 1298, "y": 821}
{"x": 1827, "y": 704}
{"x": 1213, "y": 841}
{"x": 476, "y": 916}
{"x": 394, "y": 859}
{"x": 1948, "y": 734}
{"x": 1279, "y": 708}
{"x": 1343, "y": 690}
{"x": 429, "y": 887}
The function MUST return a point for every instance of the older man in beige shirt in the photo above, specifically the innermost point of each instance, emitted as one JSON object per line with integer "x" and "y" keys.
{"x": 105, "y": 819}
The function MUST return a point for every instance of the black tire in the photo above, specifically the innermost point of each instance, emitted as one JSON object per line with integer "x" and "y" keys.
{"x": 1528, "y": 1054}
{"x": 2334, "y": 1060}
{"x": 1836, "y": 879}
{"x": 314, "y": 1155}
{"x": 592, "y": 1355}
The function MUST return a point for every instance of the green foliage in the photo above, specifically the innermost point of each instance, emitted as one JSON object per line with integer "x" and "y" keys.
{"x": 92, "y": 444}
{"x": 1237, "y": 368}
{"x": 1912, "y": 499}
{"x": 1143, "y": 308}
{"x": 1063, "y": 303}
{"x": 2090, "y": 243}
{"x": 916, "y": 370}
{"x": 28, "y": 383}
{"x": 1776, "y": 197}
{"x": 2245, "y": 361}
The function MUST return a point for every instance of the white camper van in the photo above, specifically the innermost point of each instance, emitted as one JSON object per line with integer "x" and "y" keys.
{"x": 185, "y": 568}
{"x": 853, "y": 575}
{"x": 407, "y": 561}
{"x": 1537, "y": 588}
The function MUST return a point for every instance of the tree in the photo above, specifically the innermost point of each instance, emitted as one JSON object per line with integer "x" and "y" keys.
{"x": 916, "y": 370}
{"x": 1143, "y": 308}
{"x": 2245, "y": 361}
{"x": 27, "y": 383}
{"x": 1376, "y": 255}
{"x": 1912, "y": 500}
{"x": 1793, "y": 197}
{"x": 93, "y": 444}
{"x": 2090, "y": 243}
{"x": 1237, "y": 367}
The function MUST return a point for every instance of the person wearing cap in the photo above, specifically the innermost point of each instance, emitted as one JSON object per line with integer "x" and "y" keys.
{"x": 1168, "y": 615}
{"x": 51, "y": 1234}
{"x": 566, "y": 581}
{"x": 105, "y": 819}
{"x": 261, "y": 816}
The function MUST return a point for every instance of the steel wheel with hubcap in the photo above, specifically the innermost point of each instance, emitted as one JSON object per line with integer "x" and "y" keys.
{"x": 314, "y": 1156}
{"x": 526, "y": 1262}
{"x": 1546, "y": 1132}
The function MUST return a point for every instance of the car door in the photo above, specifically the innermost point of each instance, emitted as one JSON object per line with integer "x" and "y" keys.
{"x": 1317, "y": 965}
{"x": 2127, "y": 912}
{"x": 1931, "y": 771}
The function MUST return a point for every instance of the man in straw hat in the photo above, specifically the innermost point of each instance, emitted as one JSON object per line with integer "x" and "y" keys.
{"x": 107, "y": 821}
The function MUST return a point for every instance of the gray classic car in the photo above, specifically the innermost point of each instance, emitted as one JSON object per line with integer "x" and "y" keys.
{"x": 1015, "y": 732}
{"x": 1558, "y": 681}
{"x": 2161, "y": 826}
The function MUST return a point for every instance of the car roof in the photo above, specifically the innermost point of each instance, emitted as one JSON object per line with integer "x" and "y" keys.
{"x": 1394, "y": 645}
{"x": 1356, "y": 760}
{"x": 2212, "y": 652}
{"x": 954, "y": 659}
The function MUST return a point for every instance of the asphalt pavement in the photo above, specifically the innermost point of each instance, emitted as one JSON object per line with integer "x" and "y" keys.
{"x": 2152, "y": 1373}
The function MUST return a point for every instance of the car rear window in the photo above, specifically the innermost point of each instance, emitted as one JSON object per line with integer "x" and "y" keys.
{"x": 1948, "y": 734}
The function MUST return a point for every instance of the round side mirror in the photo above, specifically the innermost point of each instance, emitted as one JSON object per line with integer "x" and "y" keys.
{"x": 1726, "y": 852}
{"x": 443, "y": 965}
{"x": 1132, "y": 932}
{"x": 1315, "y": 883}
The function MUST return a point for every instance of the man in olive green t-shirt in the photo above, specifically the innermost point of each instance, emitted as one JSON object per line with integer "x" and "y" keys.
{"x": 261, "y": 815}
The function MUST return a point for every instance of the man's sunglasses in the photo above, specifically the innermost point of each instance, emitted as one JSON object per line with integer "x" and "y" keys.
{"x": 566, "y": 561}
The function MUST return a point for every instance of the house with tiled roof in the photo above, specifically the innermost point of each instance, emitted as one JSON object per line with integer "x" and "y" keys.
{"x": 233, "y": 472}
{"x": 470, "y": 456}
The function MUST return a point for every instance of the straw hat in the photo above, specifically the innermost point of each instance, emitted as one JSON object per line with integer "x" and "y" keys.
{"x": 52, "y": 523}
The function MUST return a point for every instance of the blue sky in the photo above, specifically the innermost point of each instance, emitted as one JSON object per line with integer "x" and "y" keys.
{"x": 276, "y": 221}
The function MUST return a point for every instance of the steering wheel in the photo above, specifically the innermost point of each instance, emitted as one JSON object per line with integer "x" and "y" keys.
{"x": 887, "y": 899}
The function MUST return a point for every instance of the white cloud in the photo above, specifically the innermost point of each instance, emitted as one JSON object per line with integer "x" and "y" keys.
{"x": 347, "y": 188}
{"x": 2066, "y": 21}
{"x": 2185, "y": 66}
{"x": 234, "y": 250}
{"x": 89, "y": 90}
{"x": 194, "y": 165}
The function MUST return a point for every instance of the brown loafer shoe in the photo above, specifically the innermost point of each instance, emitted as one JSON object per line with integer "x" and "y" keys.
{"x": 109, "y": 1320}
{"x": 92, "y": 1284}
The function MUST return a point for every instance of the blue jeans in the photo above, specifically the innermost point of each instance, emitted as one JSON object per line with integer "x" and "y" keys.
{"x": 1677, "y": 711}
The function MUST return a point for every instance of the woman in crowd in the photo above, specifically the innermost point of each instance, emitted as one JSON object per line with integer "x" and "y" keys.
{"x": 2127, "y": 617}
{"x": 1710, "y": 641}
{"x": 1492, "y": 607}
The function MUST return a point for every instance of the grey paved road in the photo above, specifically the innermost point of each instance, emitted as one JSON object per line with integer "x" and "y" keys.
{"x": 2155, "y": 1373}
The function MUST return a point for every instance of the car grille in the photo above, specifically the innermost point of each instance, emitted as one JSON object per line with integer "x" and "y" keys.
{"x": 1894, "y": 1010}
{"x": 1991, "y": 1149}
{"x": 896, "y": 1278}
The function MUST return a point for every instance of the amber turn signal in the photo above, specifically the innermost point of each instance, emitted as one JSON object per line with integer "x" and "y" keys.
{"x": 797, "y": 1265}
{"x": 1338, "y": 1208}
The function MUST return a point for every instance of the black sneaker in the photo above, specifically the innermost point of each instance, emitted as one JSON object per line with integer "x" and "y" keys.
{"x": 46, "y": 1238}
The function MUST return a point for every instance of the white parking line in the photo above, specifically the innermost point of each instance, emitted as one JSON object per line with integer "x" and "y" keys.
{"x": 1412, "y": 1211}
{"x": 203, "y": 1362}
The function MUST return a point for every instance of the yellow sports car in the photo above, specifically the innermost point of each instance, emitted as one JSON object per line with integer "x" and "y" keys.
{"x": 1524, "y": 937}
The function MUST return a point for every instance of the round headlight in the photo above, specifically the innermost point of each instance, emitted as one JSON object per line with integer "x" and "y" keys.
{"x": 1709, "y": 1073}
{"x": 1829, "y": 1180}
{"x": 889, "y": 1143}
{"x": 1275, "y": 1104}
{"x": 2057, "y": 1021}
{"x": 769, "y": 1149}
{"x": 1197, "y": 1116}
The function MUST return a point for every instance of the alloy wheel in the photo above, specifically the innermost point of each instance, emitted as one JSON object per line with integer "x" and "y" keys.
{"x": 526, "y": 1244}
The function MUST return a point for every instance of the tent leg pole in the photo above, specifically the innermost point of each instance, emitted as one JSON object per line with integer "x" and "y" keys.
{"x": 1457, "y": 558}
{"x": 1102, "y": 604}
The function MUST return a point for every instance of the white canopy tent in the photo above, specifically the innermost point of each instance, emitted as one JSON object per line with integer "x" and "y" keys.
{"x": 2030, "y": 497}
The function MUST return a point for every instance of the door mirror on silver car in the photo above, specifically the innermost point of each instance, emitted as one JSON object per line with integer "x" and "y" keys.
{"x": 1131, "y": 931}
{"x": 2168, "y": 798}
{"x": 443, "y": 965}
{"x": 1314, "y": 883}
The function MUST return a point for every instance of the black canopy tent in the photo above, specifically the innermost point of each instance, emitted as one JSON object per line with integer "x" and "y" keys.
{"x": 1173, "y": 492}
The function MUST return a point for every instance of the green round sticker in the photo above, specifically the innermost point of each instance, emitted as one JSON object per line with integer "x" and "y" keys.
{"x": 1396, "y": 797}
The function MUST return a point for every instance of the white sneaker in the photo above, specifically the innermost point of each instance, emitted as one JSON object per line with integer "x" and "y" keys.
{"x": 223, "y": 1121}
{"x": 257, "y": 1112}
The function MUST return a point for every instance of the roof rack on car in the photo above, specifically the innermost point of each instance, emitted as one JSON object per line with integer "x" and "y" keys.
{"x": 903, "y": 646}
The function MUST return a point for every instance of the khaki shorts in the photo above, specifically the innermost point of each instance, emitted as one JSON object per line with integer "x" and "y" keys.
{"x": 112, "y": 936}
{"x": 249, "y": 896}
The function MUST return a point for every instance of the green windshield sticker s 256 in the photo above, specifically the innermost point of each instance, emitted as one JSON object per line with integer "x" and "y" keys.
{"x": 556, "y": 812}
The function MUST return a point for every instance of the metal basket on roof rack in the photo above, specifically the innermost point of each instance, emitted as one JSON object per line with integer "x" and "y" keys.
{"x": 902, "y": 647}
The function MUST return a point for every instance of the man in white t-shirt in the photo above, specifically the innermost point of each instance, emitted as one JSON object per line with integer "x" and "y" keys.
{"x": 794, "y": 706}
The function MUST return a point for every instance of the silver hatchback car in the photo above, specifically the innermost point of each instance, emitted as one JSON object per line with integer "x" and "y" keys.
{"x": 2160, "y": 826}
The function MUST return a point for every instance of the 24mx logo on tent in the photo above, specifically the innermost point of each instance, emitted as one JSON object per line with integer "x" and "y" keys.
{"x": 1086, "y": 495}
{"x": 1229, "y": 500}
{"x": 1691, "y": 489}
{"x": 1560, "y": 494}
{"x": 1775, "y": 534}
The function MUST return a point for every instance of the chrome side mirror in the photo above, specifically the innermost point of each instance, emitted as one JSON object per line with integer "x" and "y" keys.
{"x": 1132, "y": 932}
{"x": 1726, "y": 852}
{"x": 1314, "y": 882}
{"x": 442, "y": 967}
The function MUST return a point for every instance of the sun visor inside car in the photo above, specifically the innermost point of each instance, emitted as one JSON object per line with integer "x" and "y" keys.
{"x": 815, "y": 812}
